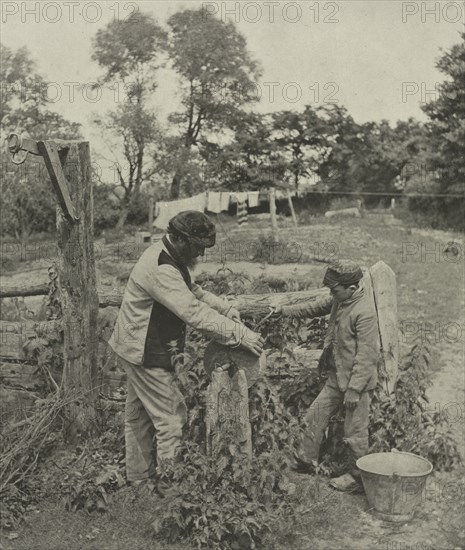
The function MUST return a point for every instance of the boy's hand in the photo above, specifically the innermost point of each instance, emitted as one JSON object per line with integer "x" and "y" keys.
{"x": 351, "y": 398}
{"x": 276, "y": 311}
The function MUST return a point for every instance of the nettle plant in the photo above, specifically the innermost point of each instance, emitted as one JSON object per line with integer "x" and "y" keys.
{"x": 225, "y": 500}
{"x": 406, "y": 421}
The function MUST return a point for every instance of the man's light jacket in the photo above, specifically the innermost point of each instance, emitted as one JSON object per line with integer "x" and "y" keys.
{"x": 159, "y": 300}
{"x": 353, "y": 334}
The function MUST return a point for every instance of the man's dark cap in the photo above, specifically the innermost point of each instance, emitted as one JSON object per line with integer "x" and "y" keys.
{"x": 195, "y": 226}
{"x": 342, "y": 272}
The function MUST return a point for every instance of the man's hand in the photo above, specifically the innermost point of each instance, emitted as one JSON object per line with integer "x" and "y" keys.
{"x": 351, "y": 398}
{"x": 234, "y": 314}
{"x": 253, "y": 342}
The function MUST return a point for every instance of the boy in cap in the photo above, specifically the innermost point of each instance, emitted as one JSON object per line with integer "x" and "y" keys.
{"x": 350, "y": 361}
{"x": 160, "y": 299}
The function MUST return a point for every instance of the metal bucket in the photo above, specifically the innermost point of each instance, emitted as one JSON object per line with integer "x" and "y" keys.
{"x": 394, "y": 483}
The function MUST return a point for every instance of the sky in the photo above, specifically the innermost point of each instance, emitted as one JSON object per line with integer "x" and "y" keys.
{"x": 376, "y": 58}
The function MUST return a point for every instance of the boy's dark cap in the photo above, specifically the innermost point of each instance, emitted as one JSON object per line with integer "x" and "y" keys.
{"x": 342, "y": 272}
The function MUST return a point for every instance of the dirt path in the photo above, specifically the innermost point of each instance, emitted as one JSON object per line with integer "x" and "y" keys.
{"x": 448, "y": 391}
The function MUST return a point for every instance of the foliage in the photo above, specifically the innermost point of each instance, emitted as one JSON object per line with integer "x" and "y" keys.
{"x": 304, "y": 138}
{"x": 44, "y": 465}
{"x": 406, "y": 422}
{"x": 440, "y": 169}
{"x": 23, "y": 446}
{"x": 368, "y": 158}
{"x": 28, "y": 203}
{"x": 130, "y": 53}
{"x": 224, "y": 500}
{"x": 95, "y": 473}
{"x": 106, "y": 208}
{"x": 253, "y": 160}
{"x": 24, "y": 99}
{"x": 216, "y": 73}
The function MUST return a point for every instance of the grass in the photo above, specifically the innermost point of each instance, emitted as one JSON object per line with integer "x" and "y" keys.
{"x": 126, "y": 526}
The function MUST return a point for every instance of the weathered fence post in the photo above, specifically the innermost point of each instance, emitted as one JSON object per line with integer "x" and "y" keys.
{"x": 78, "y": 290}
{"x": 291, "y": 206}
{"x": 383, "y": 282}
{"x": 274, "y": 221}
{"x": 228, "y": 411}
{"x": 69, "y": 168}
{"x": 151, "y": 214}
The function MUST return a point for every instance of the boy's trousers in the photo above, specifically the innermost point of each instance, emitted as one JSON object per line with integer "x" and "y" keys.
{"x": 326, "y": 405}
{"x": 154, "y": 408}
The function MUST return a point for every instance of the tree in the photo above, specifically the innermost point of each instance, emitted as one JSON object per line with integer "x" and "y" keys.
{"x": 443, "y": 170}
{"x": 217, "y": 77}
{"x": 302, "y": 138}
{"x": 384, "y": 154}
{"x": 367, "y": 158}
{"x": 130, "y": 51}
{"x": 344, "y": 145}
{"x": 251, "y": 161}
{"x": 24, "y": 101}
{"x": 28, "y": 203}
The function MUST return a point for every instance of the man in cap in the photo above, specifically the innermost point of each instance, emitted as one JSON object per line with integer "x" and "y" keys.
{"x": 159, "y": 301}
{"x": 350, "y": 361}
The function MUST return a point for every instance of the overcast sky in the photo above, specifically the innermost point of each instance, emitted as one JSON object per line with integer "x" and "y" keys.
{"x": 377, "y": 58}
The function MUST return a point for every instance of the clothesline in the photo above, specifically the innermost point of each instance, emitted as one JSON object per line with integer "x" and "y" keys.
{"x": 211, "y": 201}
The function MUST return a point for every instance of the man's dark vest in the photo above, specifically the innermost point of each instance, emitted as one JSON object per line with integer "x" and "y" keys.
{"x": 164, "y": 326}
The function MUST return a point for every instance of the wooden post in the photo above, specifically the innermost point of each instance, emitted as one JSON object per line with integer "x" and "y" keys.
{"x": 383, "y": 281}
{"x": 274, "y": 222}
{"x": 77, "y": 284}
{"x": 228, "y": 411}
{"x": 291, "y": 206}
{"x": 151, "y": 214}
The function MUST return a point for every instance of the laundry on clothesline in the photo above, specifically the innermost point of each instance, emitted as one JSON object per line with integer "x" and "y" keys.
{"x": 225, "y": 200}
{"x": 218, "y": 201}
{"x": 242, "y": 218}
{"x": 241, "y": 196}
{"x": 252, "y": 199}
{"x": 215, "y": 202}
{"x": 167, "y": 209}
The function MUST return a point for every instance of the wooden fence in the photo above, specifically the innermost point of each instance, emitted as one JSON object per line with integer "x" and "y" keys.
{"x": 22, "y": 377}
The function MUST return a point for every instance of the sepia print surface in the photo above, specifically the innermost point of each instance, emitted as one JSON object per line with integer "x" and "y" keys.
{"x": 232, "y": 288}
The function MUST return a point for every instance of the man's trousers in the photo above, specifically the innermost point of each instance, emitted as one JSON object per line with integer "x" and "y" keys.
{"x": 154, "y": 408}
{"x": 326, "y": 405}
